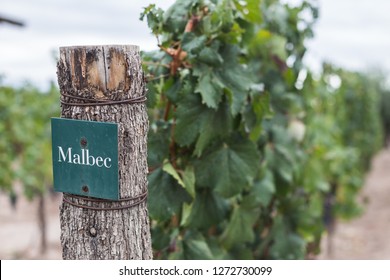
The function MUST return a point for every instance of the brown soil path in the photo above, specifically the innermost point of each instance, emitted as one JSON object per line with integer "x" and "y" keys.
{"x": 19, "y": 231}
{"x": 368, "y": 236}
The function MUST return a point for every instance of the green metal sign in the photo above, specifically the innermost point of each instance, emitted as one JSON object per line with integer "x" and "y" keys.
{"x": 85, "y": 158}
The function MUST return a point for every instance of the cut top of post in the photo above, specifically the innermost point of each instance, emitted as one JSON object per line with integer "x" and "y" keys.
{"x": 104, "y": 72}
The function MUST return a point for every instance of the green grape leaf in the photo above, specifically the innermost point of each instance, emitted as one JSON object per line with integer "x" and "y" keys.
{"x": 239, "y": 230}
{"x": 210, "y": 56}
{"x": 287, "y": 244}
{"x": 195, "y": 247}
{"x": 175, "y": 18}
{"x": 228, "y": 168}
{"x": 251, "y": 10}
{"x": 154, "y": 18}
{"x": 167, "y": 167}
{"x": 189, "y": 180}
{"x": 158, "y": 143}
{"x": 235, "y": 77}
{"x": 210, "y": 88}
{"x": 190, "y": 116}
{"x": 261, "y": 192}
{"x": 217, "y": 124}
{"x": 166, "y": 196}
{"x": 208, "y": 209}
{"x": 192, "y": 43}
{"x": 152, "y": 95}
{"x": 160, "y": 238}
{"x": 197, "y": 123}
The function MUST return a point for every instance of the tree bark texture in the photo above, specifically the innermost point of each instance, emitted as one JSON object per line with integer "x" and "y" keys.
{"x": 109, "y": 73}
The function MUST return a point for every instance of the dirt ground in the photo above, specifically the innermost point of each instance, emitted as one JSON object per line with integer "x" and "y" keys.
{"x": 19, "y": 230}
{"x": 366, "y": 237}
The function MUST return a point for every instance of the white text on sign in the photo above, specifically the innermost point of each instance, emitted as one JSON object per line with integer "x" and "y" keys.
{"x": 83, "y": 159}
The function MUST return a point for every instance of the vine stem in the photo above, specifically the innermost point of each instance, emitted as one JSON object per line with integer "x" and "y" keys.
{"x": 157, "y": 78}
{"x": 155, "y": 64}
{"x": 172, "y": 145}
{"x": 167, "y": 110}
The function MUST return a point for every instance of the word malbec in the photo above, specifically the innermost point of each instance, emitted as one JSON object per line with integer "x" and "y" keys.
{"x": 84, "y": 159}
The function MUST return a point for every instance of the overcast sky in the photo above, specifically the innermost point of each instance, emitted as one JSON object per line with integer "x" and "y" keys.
{"x": 350, "y": 33}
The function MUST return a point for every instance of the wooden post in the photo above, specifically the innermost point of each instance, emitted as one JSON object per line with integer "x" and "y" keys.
{"x": 110, "y": 73}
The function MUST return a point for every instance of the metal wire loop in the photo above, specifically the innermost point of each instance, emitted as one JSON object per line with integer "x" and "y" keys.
{"x": 96, "y": 102}
{"x": 132, "y": 201}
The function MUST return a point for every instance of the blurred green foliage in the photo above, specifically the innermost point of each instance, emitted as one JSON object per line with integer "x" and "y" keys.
{"x": 25, "y": 138}
{"x": 251, "y": 156}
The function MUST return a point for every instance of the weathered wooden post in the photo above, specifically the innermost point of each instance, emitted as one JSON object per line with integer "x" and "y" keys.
{"x": 106, "y": 84}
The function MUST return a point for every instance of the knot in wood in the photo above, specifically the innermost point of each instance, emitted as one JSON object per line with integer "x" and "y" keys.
{"x": 92, "y": 232}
